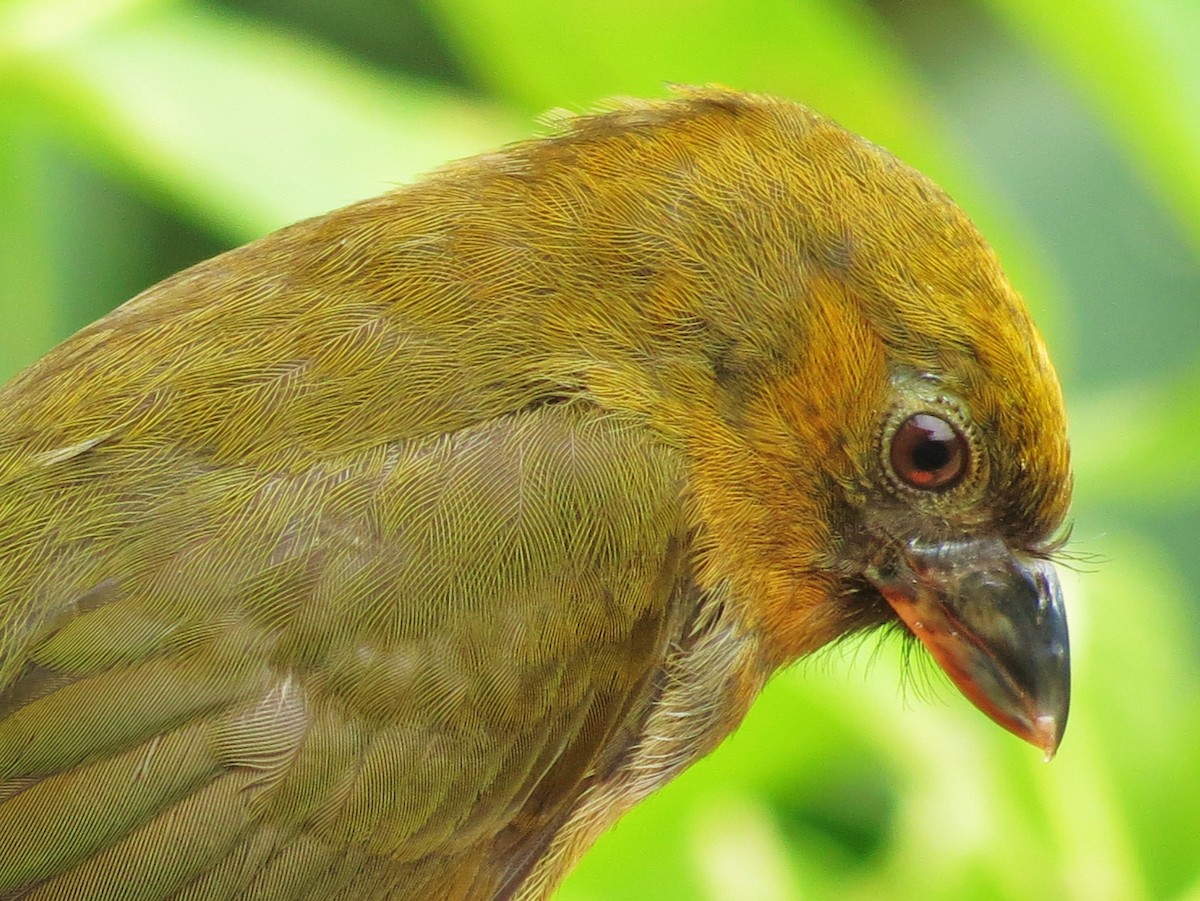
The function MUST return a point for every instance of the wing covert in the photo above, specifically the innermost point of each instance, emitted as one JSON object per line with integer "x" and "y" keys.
{"x": 360, "y": 677}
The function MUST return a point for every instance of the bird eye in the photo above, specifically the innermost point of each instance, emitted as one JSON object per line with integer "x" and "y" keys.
{"x": 929, "y": 453}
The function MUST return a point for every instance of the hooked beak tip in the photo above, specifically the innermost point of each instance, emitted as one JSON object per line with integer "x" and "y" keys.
{"x": 1046, "y": 735}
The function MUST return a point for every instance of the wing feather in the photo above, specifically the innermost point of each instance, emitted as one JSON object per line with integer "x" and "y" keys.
{"x": 373, "y": 676}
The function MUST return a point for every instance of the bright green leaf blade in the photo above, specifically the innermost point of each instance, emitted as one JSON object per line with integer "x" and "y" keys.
{"x": 1138, "y": 61}
{"x": 27, "y": 283}
{"x": 1148, "y": 454}
{"x": 543, "y": 54}
{"x": 251, "y": 129}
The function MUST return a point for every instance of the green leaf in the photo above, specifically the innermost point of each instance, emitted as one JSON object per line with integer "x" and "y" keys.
{"x": 1146, "y": 455}
{"x": 247, "y": 127}
{"x": 27, "y": 282}
{"x": 1137, "y": 62}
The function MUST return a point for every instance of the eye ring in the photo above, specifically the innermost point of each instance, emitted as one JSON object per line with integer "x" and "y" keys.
{"x": 929, "y": 453}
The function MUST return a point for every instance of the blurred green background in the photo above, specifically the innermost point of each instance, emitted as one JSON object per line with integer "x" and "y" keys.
{"x": 139, "y": 136}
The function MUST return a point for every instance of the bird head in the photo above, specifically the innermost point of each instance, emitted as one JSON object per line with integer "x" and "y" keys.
{"x": 911, "y": 385}
{"x": 875, "y": 430}
{"x": 957, "y": 479}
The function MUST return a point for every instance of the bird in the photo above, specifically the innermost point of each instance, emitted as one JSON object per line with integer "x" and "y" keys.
{"x": 399, "y": 553}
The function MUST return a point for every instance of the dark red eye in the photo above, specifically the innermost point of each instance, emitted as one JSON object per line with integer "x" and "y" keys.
{"x": 929, "y": 453}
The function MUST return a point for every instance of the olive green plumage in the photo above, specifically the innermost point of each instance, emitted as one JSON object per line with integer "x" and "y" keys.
{"x": 396, "y": 554}
{"x": 295, "y": 651}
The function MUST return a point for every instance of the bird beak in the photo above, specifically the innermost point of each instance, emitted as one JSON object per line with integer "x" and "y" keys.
{"x": 994, "y": 621}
